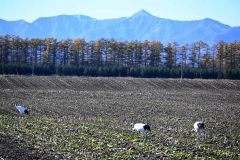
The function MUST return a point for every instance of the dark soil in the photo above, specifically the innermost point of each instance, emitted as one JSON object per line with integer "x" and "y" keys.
{"x": 170, "y": 106}
{"x": 14, "y": 150}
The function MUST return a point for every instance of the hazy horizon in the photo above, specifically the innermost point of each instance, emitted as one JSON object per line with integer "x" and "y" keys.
{"x": 117, "y": 17}
{"x": 224, "y": 11}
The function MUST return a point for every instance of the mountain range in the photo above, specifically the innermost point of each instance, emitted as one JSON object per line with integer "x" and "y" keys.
{"x": 140, "y": 26}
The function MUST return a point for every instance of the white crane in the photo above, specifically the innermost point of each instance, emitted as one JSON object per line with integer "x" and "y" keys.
{"x": 21, "y": 109}
{"x": 141, "y": 127}
{"x": 198, "y": 126}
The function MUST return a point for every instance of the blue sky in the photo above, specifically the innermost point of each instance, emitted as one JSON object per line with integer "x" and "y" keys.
{"x": 225, "y": 11}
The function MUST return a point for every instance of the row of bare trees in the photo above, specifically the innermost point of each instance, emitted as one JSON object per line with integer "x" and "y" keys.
{"x": 220, "y": 57}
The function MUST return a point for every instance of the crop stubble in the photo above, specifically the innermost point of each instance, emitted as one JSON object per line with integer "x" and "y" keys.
{"x": 82, "y": 117}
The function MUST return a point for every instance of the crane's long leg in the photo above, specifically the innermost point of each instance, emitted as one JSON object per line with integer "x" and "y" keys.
{"x": 145, "y": 136}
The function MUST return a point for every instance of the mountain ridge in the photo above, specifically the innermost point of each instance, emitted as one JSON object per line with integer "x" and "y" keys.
{"x": 140, "y": 26}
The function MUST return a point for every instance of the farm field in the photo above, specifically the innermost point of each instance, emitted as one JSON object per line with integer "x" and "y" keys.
{"x": 89, "y": 118}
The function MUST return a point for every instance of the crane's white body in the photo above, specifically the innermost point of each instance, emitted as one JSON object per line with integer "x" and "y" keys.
{"x": 21, "y": 109}
{"x": 139, "y": 127}
{"x": 197, "y": 126}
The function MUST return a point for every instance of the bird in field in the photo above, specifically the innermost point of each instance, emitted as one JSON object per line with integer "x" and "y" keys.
{"x": 22, "y": 109}
{"x": 198, "y": 126}
{"x": 141, "y": 127}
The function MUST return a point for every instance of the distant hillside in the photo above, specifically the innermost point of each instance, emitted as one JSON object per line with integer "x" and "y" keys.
{"x": 230, "y": 35}
{"x": 140, "y": 26}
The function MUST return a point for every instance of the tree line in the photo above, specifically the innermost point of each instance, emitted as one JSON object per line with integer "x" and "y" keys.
{"x": 108, "y": 57}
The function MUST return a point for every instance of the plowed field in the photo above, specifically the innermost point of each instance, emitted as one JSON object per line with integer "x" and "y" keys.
{"x": 89, "y": 118}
